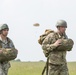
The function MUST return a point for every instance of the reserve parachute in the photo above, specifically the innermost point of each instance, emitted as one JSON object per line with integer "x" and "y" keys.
{"x": 8, "y": 54}
{"x": 66, "y": 44}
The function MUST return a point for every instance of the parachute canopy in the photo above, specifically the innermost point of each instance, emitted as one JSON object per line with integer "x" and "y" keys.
{"x": 36, "y": 24}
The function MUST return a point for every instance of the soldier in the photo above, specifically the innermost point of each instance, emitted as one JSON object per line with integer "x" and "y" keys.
{"x": 57, "y": 58}
{"x": 5, "y": 42}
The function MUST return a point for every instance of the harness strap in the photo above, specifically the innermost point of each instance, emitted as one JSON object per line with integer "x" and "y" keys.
{"x": 46, "y": 67}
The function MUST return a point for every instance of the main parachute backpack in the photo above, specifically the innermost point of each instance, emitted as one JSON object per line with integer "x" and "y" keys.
{"x": 43, "y": 36}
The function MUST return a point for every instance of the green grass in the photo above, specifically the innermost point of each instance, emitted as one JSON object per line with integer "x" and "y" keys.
{"x": 34, "y": 68}
{"x": 72, "y": 68}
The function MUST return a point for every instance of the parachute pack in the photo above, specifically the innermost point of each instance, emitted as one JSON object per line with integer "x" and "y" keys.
{"x": 8, "y": 54}
{"x": 43, "y": 36}
{"x": 66, "y": 44}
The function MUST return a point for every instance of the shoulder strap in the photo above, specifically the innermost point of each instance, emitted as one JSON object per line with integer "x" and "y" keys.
{"x": 8, "y": 39}
{"x": 0, "y": 44}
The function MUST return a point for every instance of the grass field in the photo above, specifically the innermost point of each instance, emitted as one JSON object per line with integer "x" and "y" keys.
{"x": 34, "y": 68}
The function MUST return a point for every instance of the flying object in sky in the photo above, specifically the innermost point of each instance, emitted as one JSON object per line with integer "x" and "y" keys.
{"x": 36, "y": 24}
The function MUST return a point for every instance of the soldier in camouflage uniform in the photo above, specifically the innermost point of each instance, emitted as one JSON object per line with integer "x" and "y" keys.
{"x": 5, "y": 42}
{"x": 57, "y": 59}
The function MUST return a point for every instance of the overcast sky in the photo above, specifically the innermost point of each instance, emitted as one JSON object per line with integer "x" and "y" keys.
{"x": 20, "y": 15}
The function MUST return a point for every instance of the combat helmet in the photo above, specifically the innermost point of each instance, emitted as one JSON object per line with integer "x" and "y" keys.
{"x": 3, "y": 26}
{"x": 61, "y": 23}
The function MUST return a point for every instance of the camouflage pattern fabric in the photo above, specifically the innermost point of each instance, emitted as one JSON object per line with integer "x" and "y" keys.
{"x": 43, "y": 36}
{"x": 57, "y": 55}
{"x": 58, "y": 69}
{"x": 66, "y": 44}
{"x": 5, "y": 65}
{"x": 8, "y": 54}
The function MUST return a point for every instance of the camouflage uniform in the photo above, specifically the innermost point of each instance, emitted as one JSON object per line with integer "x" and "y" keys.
{"x": 57, "y": 59}
{"x": 4, "y": 66}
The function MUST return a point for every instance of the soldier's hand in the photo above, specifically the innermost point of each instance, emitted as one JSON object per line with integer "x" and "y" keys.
{"x": 58, "y": 42}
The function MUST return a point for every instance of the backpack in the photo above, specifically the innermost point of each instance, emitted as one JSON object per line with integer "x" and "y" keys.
{"x": 43, "y": 36}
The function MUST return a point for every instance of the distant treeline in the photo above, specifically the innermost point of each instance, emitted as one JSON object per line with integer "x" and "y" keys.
{"x": 18, "y": 60}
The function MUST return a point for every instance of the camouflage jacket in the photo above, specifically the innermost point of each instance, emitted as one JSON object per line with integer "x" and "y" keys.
{"x": 55, "y": 56}
{"x": 6, "y": 44}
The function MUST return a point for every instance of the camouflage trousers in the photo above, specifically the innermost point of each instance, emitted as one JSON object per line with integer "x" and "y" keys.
{"x": 58, "y": 69}
{"x": 4, "y": 66}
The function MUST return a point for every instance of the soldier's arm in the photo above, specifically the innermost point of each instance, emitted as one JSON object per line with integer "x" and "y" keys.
{"x": 47, "y": 43}
{"x": 11, "y": 44}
